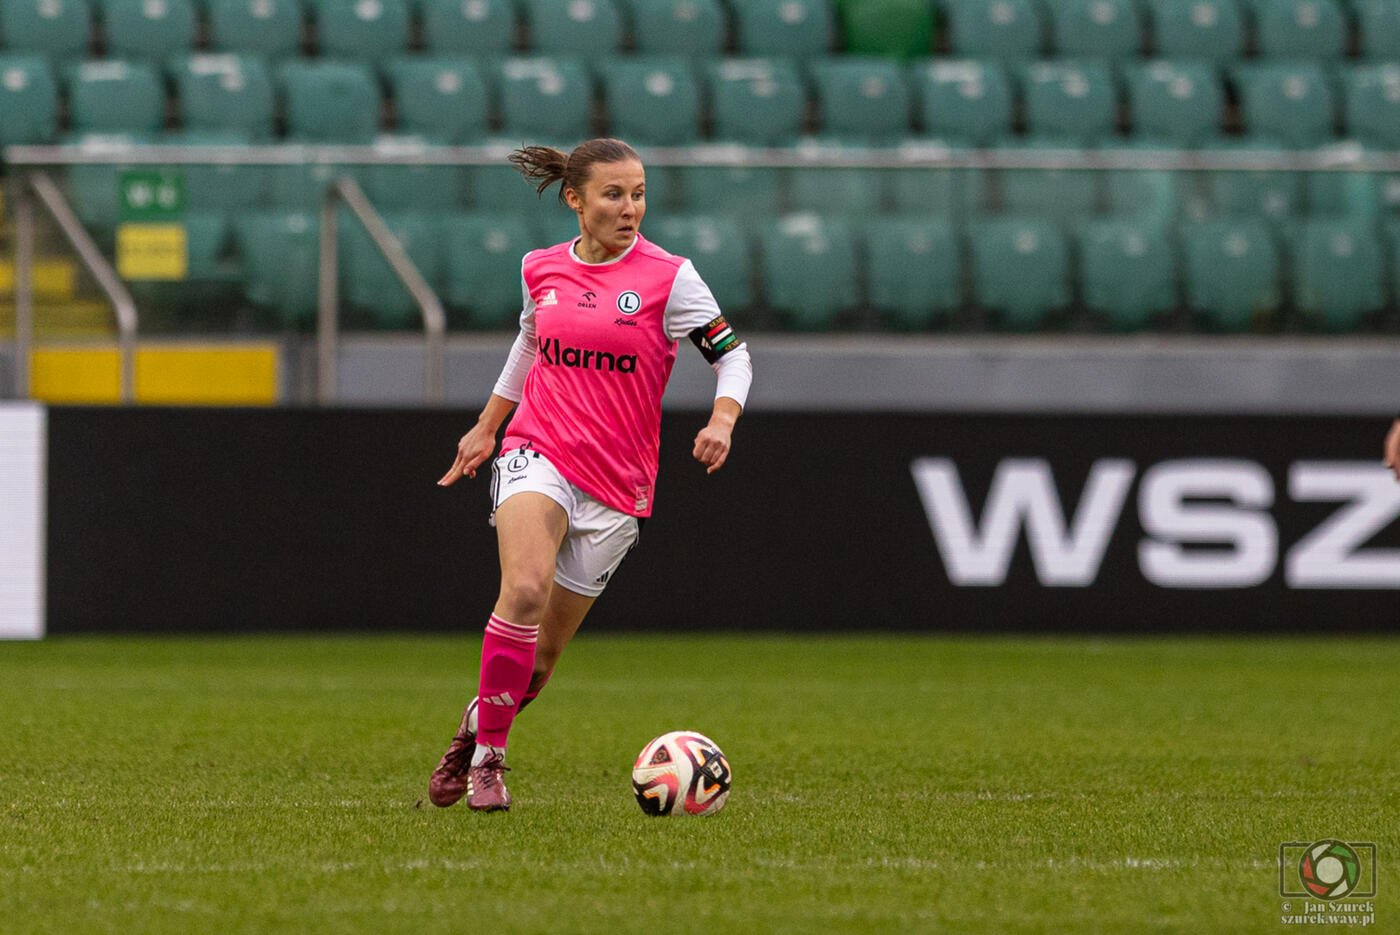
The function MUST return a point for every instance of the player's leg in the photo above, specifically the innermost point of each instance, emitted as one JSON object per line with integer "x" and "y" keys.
{"x": 562, "y": 618}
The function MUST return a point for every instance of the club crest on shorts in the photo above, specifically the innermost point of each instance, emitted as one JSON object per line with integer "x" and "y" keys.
{"x": 629, "y": 302}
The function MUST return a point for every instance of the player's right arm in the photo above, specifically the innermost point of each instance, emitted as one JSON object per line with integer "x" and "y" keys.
{"x": 1392, "y": 448}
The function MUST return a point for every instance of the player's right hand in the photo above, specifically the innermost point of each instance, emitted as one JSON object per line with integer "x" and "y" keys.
{"x": 474, "y": 448}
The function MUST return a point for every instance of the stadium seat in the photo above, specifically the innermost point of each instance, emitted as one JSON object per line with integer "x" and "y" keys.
{"x": 482, "y": 276}
{"x": 652, "y": 101}
{"x": 836, "y": 190}
{"x": 1070, "y": 100}
{"x": 962, "y": 101}
{"x": 755, "y": 101}
{"x": 1149, "y": 195}
{"x": 1110, "y": 29}
{"x": 1345, "y": 194}
{"x": 719, "y": 249}
{"x": 1207, "y": 30}
{"x": 808, "y": 265}
{"x": 114, "y": 96}
{"x": 794, "y": 28}
{"x": 1175, "y": 102}
{"x": 864, "y": 100}
{"x": 1288, "y": 102}
{"x": 147, "y": 29}
{"x": 1127, "y": 270}
{"x": 1005, "y": 29}
{"x": 1338, "y": 271}
{"x": 301, "y": 187}
{"x": 271, "y": 28}
{"x": 1231, "y": 271}
{"x": 1020, "y": 269}
{"x": 56, "y": 29}
{"x": 1066, "y": 194}
{"x": 442, "y": 100}
{"x": 678, "y": 27}
{"x": 207, "y": 238}
{"x": 1371, "y": 95}
{"x": 92, "y": 187}
{"x": 749, "y": 192}
{"x": 362, "y": 30}
{"x": 1378, "y": 24}
{"x": 954, "y": 193}
{"x": 547, "y": 99}
{"x": 369, "y": 282}
{"x": 28, "y": 100}
{"x": 914, "y": 267}
{"x": 329, "y": 102}
{"x": 468, "y": 27}
{"x": 899, "y": 29}
{"x": 1273, "y": 195}
{"x": 572, "y": 27}
{"x": 225, "y": 93}
{"x": 220, "y": 189}
{"x": 281, "y": 262}
{"x": 1299, "y": 29}
{"x": 409, "y": 187}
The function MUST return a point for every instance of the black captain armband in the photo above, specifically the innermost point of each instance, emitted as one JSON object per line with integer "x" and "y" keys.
{"x": 715, "y": 339}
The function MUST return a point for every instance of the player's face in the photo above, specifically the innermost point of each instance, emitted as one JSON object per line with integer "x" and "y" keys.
{"x": 610, "y": 208}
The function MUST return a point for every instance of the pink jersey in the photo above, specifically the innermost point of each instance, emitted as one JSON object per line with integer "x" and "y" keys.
{"x": 605, "y": 345}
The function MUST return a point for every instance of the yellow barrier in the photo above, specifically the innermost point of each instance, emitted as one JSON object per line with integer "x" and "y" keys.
{"x": 166, "y": 374}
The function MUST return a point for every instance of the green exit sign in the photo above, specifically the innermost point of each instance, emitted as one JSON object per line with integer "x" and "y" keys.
{"x": 151, "y": 195}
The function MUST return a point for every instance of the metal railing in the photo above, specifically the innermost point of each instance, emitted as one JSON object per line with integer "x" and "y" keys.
{"x": 123, "y": 307}
{"x": 347, "y": 190}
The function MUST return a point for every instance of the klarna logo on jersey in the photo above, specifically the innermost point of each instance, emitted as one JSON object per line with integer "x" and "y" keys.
{"x": 551, "y": 352}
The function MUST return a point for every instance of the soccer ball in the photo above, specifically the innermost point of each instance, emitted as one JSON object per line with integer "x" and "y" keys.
{"x": 681, "y": 773}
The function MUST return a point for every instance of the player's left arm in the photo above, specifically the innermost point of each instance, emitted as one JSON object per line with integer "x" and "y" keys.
{"x": 693, "y": 311}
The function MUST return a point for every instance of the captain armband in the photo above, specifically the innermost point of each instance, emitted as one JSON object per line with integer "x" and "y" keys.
{"x": 715, "y": 339}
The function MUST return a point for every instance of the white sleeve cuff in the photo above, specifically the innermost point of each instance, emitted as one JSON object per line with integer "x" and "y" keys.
{"x": 735, "y": 375}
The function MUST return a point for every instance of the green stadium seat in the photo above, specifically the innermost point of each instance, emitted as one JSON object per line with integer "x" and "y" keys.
{"x": 468, "y": 27}
{"x": 329, "y": 102}
{"x": 369, "y": 283}
{"x": 92, "y": 187}
{"x": 1175, "y": 102}
{"x": 962, "y": 101}
{"x": 1299, "y": 29}
{"x": 1020, "y": 269}
{"x": 482, "y": 278}
{"x": 1127, "y": 270}
{"x": 1288, "y": 102}
{"x": 1206, "y": 30}
{"x": 573, "y": 27}
{"x": 221, "y": 189}
{"x": 678, "y": 27}
{"x": 1391, "y": 229}
{"x": 1272, "y": 195}
{"x": 808, "y": 266}
{"x": 1378, "y": 24}
{"x": 1338, "y": 271}
{"x": 1095, "y": 28}
{"x": 207, "y": 239}
{"x": 1067, "y": 194}
{"x": 1344, "y": 194}
{"x": 914, "y": 269}
{"x": 412, "y": 186}
{"x": 718, "y": 247}
{"x": 271, "y": 28}
{"x": 900, "y": 29}
{"x": 443, "y": 100}
{"x": 56, "y": 29}
{"x": 281, "y": 262}
{"x": 1147, "y": 196}
{"x": 553, "y": 227}
{"x": 1070, "y": 100}
{"x": 653, "y": 100}
{"x": 225, "y": 93}
{"x": 1005, "y": 29}
{"x": 751, "y": 192}
{"x": 115, "y": 97}
{"x": 833, "y": 190}
{"x": 545, "y": 99}
{"x": 364, "y": 30}
{"x": 28, "y": 100}
{"x": 301, "y": 187}
{"x": 1371, "y": 96}
{"x": 756, "y": 101}
{"x": 954, "y": 193}
{"x": 863, "y": 100}
{"x": 1231, "y": 271}
{"x": 147, "y": 29}
{"x": 794, "y": 28}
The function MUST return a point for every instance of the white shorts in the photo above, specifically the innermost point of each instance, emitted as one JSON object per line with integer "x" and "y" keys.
{"x": 599, "y": 537}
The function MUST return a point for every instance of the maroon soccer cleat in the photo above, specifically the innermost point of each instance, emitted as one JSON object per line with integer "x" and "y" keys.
{"x": 449, "y": 780}
{"x": 486, "y": 785}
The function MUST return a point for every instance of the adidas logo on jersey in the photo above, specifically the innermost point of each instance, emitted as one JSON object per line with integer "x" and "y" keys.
{"x": 548, "y": 298}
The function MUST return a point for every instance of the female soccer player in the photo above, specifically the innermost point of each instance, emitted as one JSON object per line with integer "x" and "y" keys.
{"x": 576, "y": 470}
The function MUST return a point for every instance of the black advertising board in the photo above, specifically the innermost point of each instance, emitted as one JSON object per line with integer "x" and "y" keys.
{"x": 270, "y": 520}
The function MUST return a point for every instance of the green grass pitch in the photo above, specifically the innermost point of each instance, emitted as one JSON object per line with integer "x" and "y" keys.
{"x": 882, "y": 784}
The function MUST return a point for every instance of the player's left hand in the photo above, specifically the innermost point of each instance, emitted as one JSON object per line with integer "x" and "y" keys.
{"x": 712, "y": 447}
{"x": 1392, "y": 448}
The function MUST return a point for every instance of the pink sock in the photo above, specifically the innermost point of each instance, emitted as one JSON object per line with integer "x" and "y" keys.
{"x": 507, "y": 663}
